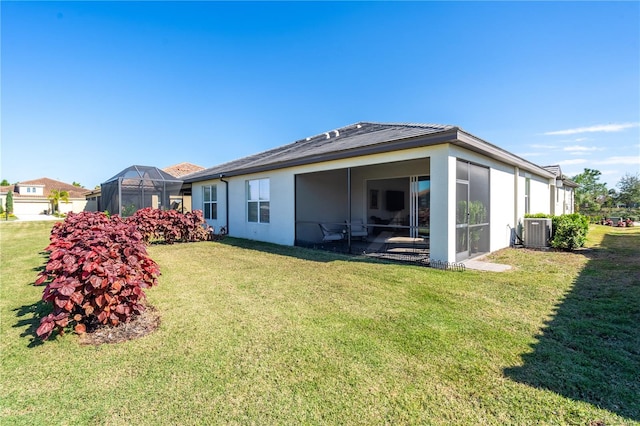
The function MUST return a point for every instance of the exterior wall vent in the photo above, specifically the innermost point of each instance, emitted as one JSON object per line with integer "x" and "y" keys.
{"x": 537, "y": 232}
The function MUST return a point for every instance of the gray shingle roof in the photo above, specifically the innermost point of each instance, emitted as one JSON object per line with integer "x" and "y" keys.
{"x": 316, "y": 148}
{"x": 555, "y": 169}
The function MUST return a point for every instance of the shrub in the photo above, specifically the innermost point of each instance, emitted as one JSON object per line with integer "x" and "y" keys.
{"x": 537, "y": 215}
{"x": 569, "y": 231}
{"x": 169, "y": 226}
{"x": 95, "y": 274}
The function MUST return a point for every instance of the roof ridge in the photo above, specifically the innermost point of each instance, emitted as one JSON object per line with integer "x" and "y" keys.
{"x": 367, "y": 126}
{"x": 363, "y": 131}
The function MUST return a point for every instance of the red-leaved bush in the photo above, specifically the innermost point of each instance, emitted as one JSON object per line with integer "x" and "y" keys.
{"x": 169, "y": 225}
{"x": 96, "y": 271}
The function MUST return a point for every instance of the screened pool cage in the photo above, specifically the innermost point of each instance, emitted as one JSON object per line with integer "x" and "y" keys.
{"x": 137, "y": 187}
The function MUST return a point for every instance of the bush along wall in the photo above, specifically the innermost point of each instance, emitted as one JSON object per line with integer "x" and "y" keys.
{"x": 98, "y": 266}
{"x": 569, "y": 231}
{"x": 169, "y": 226}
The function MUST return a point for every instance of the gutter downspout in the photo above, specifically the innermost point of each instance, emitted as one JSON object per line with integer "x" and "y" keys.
{"x": 515, "y": 196}
{"x": 226, "y": 203}
{"x": 349, "y": 208}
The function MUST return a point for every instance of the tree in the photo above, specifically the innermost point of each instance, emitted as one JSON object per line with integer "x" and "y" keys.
{"x": 629, "y": 186}
{"x": 589, "y": 189}
{"x": 609, "y": 200}
{"x": 77, "y": 184}
{"x": 4, "y": 182}
{"x": 56, "y": 196}
{"x": 8, "y": 206}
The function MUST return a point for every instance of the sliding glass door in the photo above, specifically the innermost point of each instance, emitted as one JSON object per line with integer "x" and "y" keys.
{"x": 472, "y": 210}
{"x": 420, "y": 204}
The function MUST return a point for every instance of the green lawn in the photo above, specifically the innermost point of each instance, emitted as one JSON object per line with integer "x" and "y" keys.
{"x": 260, "y": 334}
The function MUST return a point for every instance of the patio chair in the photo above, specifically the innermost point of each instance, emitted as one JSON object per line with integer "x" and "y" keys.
{"x": 359, "y": 230}
{"x": 330, "y": 235}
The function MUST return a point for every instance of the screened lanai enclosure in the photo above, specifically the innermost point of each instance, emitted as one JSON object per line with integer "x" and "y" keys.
{"x": 138, "y": 187}
{"x": 385, "y": 210}
{"x": 374, "y": 209}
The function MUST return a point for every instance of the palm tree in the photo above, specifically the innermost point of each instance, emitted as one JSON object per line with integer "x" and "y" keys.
{"x": 56, "y": 196}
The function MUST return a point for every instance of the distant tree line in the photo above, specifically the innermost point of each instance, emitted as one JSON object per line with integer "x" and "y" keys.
{"x": 592, "y": 196}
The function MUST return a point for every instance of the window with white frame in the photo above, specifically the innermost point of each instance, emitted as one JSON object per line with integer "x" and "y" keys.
{"x": 258, "y": 200}
{"x": 210, "y": 201}
{"x": 527, "y": 195}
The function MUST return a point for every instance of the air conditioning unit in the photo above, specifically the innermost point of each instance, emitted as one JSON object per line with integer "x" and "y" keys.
{"x": 537, "y": 232}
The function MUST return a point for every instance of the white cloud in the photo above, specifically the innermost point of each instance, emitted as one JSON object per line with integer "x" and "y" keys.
{"x": 633, "y": 159}
{"x": 572, "y": 162}
{"x": 597, "y": 128}
{"x": 540, "y": 146}
{"x": 581, "y": 148}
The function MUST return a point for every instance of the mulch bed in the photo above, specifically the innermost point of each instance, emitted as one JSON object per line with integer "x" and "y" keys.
{"x": 140, "y": 326}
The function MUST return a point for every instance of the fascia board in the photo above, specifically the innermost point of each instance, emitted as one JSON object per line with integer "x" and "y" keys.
{"x": 480, "y": 146}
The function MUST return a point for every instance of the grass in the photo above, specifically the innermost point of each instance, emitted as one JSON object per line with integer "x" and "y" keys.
{"x": 254, "y": 333}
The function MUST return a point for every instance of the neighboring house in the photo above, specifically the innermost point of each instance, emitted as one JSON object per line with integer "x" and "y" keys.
{"x": 32, "y": 197}
{"x": 182, "y": 169}
{"x": 420, "y": 180}
{"x": 179, "y": 171}
{"x": 135, "y": 179}
{"x": 562, "y": 199}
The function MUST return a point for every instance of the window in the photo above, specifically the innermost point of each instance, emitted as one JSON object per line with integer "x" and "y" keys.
{"x": 28, "y": 189}
{"x": 210, "y": 202}
{"x": 527, "y": 195}
{"x": 258, "y": 201}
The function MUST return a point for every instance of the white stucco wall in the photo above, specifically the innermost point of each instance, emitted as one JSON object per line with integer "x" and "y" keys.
{"x": 503, "y": 205}
{"x": 75, "y": 205}
{"x": 563, "y": 200}
{"x": 30, "y": 190}
{"x": 539, "y": 198}
{"x": 38, "y": 206}
{"x": 197, "y": 201}
{"x": 281, "y": 226}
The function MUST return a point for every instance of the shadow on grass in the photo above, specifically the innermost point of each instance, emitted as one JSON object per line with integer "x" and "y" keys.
{"x": 29, "y": 316}
{"x": 318, "y": 254}
{"x": 590, "y": 350}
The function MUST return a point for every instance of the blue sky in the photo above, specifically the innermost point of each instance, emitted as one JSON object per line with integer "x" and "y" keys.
{"x": 90, "y": 88}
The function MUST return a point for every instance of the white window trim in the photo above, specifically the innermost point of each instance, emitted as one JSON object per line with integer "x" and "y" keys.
{"x": 213, "y": 189}
{"x": 259, "y": 200}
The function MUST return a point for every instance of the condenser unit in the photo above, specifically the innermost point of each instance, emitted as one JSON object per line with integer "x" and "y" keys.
{"x": 537, "y": 232}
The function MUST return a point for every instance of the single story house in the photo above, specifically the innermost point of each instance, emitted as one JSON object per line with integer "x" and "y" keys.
{"x": 32, "y": 197}
{"x": 429, "y": 182}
